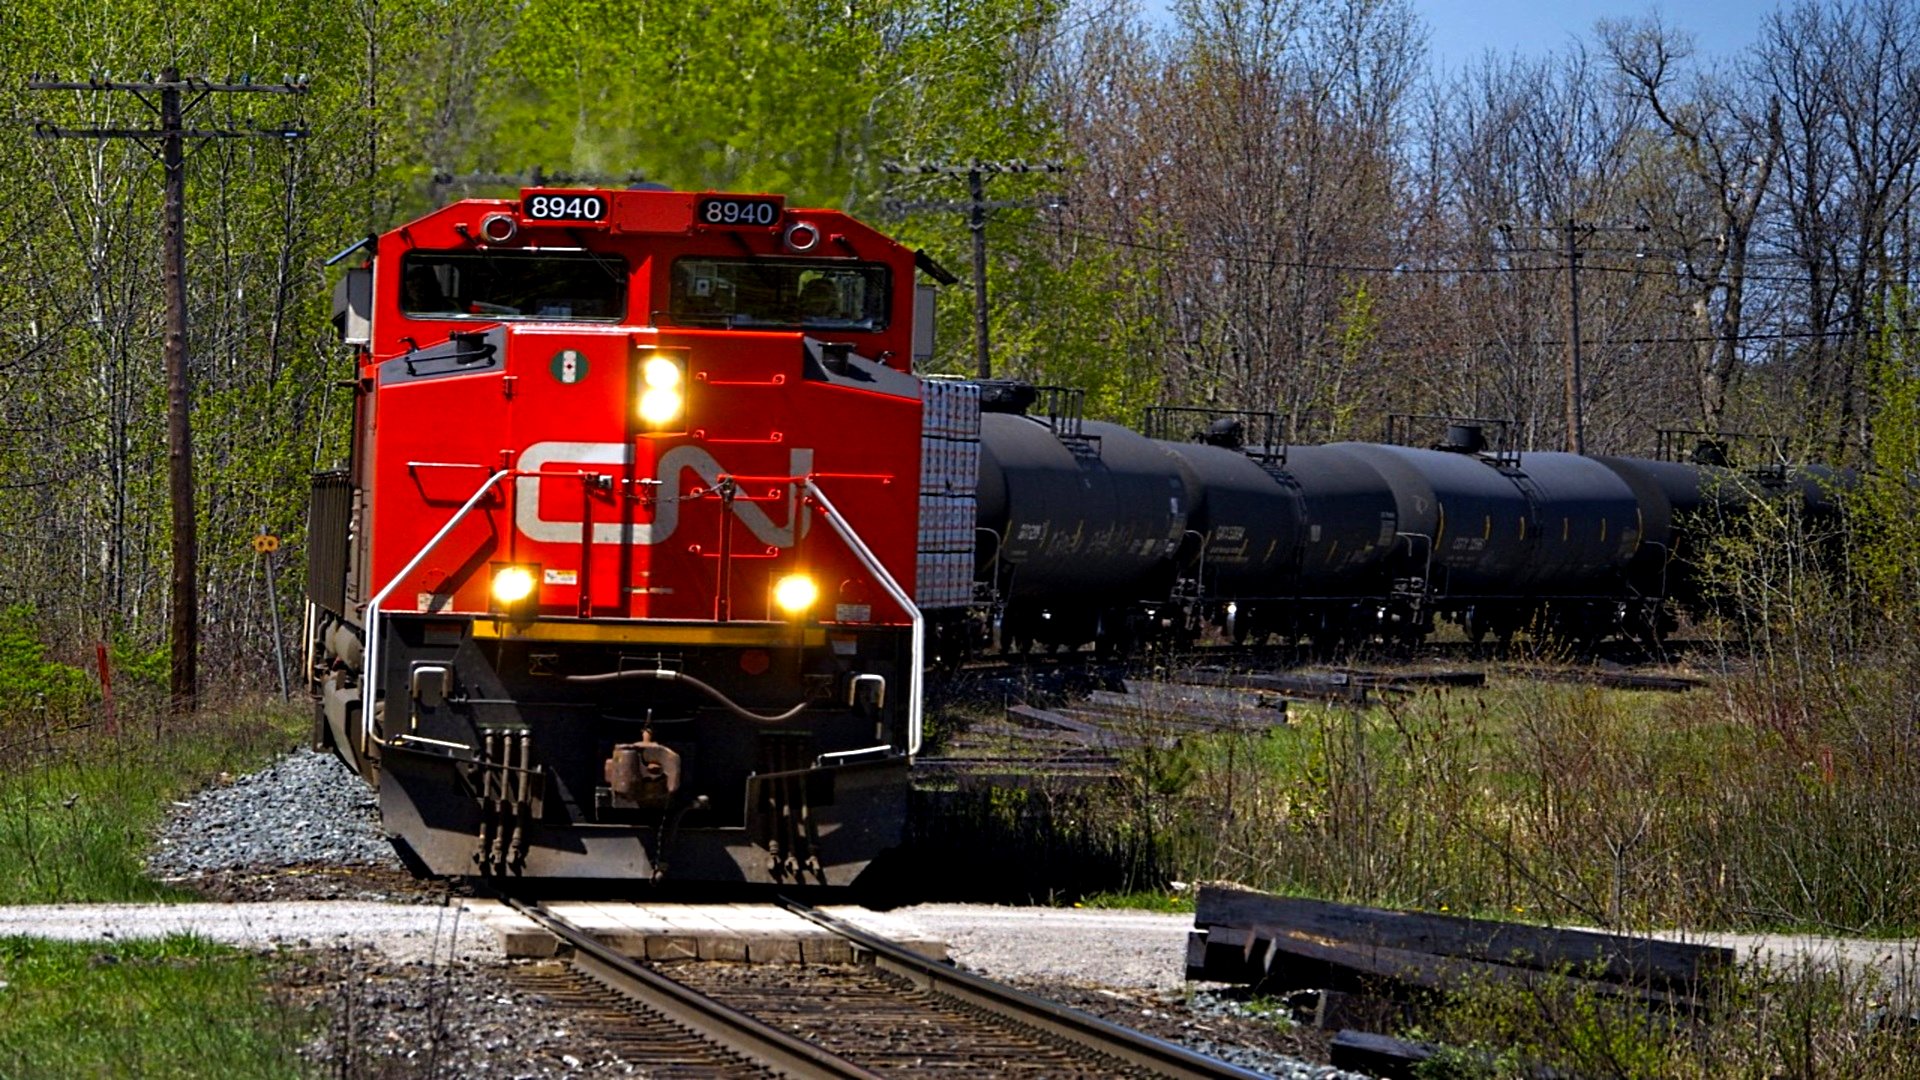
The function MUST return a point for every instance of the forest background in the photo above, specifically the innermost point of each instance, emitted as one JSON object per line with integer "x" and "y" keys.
{"x": 1265, "y": 204}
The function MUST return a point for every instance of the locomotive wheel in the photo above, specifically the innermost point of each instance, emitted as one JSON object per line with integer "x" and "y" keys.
{"x": 1475, "y": 626}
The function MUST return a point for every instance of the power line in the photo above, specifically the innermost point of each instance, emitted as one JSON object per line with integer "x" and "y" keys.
{"x": 1394, "y": 266}
{"x": 1696, "y": 339}
{"x": 976, "y": 206}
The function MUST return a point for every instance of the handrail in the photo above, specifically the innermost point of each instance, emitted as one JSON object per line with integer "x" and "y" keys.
{"x": 370, "y": 670}
{"x": 915, "y": 710}
{"x": 370, "y": 667}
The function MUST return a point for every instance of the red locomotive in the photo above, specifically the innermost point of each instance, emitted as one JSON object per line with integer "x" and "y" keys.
{"x": 622, "y": 579}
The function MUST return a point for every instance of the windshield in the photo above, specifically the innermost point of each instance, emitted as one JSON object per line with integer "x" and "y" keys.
{"x": 759, "y": 293}
{"x": 513, "y": 285}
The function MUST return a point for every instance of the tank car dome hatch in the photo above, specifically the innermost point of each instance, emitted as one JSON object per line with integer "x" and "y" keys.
{"x": 1006, "y": 396}
{"x": 1228, "y": 432}
{"x": 1710, "y": 452}
{"x": 1463, "y": 439}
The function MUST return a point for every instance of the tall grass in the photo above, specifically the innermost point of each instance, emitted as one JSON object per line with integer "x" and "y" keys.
{"x": 78, "y": 804}
{"x": 1815, "y": 1017}
{"x": 1614, "y": 808}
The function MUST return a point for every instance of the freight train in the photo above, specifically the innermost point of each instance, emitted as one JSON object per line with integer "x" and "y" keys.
{"x": 650, "y": 532}
{"x": 1092, "y": 534}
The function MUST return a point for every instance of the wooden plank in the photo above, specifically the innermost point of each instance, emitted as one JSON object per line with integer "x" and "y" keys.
{"x": 1411, "y": 680}
{"x": 1335, "y": 687}
{"x": 1224, "y": 954}
{"x": 1377, "y": 1055}
{"x": 1090, "y": 734}
{"x": 1613, "y": 957}
{"x": 1187, "y": 715}
{"x": 1053, "y": 718}
{"x": 1226, "y": 697}
{"x": 1296, "y": 961}
{"x": 1618, "y": 680}
{"x": 999, "y": 731}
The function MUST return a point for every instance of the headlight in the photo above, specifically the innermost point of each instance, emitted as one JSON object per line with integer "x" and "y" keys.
{"x": 660, "y": 407}
{"x": 795, "y": 593}
{"x": 663, "y": 400}
{"x": 661, "y": 373}
{"x": 512, "y": 584}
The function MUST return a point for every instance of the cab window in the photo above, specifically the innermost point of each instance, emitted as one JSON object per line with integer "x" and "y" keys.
{"x": 774, "y": 293}
{"x": 513, "y": 285}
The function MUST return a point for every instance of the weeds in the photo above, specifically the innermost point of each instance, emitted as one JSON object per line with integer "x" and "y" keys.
{"x": 78, "y": 807}
{"x": 1816, "y": 1018}
{"x": 1610, "y": 808}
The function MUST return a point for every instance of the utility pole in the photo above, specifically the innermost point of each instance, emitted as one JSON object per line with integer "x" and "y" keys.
{"x": 1576, "y": 427}
{"x": 976, "y": 207}
{"x": 1573, "y": 229}
{"x": 177, "y": 96}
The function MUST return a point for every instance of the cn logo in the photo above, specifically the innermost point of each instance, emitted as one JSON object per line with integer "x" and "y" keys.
{"x": 673, "y": 465}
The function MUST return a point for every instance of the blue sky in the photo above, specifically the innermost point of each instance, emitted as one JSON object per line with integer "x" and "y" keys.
{"x": 1462, "y": 29}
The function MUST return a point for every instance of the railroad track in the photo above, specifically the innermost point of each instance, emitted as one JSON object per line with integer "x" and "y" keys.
{"x": 1067, "y": 721}
{"x": 891, "y": 1013}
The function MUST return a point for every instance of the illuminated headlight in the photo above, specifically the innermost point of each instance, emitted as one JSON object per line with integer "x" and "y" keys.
{"x": 512, "y": 584}
{"x": 660, "y": 407}
{"x": 662, "y": 398}
{"x": 795, "y": 593}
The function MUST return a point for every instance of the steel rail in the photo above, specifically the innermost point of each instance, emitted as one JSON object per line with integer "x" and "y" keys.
{"x": 1142, "y": 1051}
{"x": 730, "y": 1028}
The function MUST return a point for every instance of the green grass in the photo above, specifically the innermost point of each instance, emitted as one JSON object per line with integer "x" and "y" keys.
{"x": 78, "y": 810}
{"x": 178, "y": 1007}
{"x": 1164, "y": 900}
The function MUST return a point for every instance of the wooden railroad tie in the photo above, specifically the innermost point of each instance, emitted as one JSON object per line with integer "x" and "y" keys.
{"x": 1277, "y": 944}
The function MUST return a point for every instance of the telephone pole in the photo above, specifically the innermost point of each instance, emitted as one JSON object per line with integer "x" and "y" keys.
{"x": 976, "y": 207}
{"x": 171, "y": 98}
{"x": 1573, "y": 230}
{"x": 1576, "y": 426}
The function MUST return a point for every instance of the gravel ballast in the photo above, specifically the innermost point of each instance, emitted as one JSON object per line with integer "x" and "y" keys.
{"x": 289, "y": 832}
{"x": 306, "y": 808}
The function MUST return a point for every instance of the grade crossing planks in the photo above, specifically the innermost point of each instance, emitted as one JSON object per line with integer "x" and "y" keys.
{"x": 741, "y": 933}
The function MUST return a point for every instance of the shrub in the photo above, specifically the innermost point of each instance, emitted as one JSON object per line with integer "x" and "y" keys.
{"x": 31, "y": 684}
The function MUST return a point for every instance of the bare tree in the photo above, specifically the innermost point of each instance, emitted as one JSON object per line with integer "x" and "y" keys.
{"x": 1728, "y": 148}
{"x": 1848, "y": 80}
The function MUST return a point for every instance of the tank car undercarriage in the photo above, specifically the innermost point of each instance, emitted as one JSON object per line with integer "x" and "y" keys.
{"x": 1328, "y": 625}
